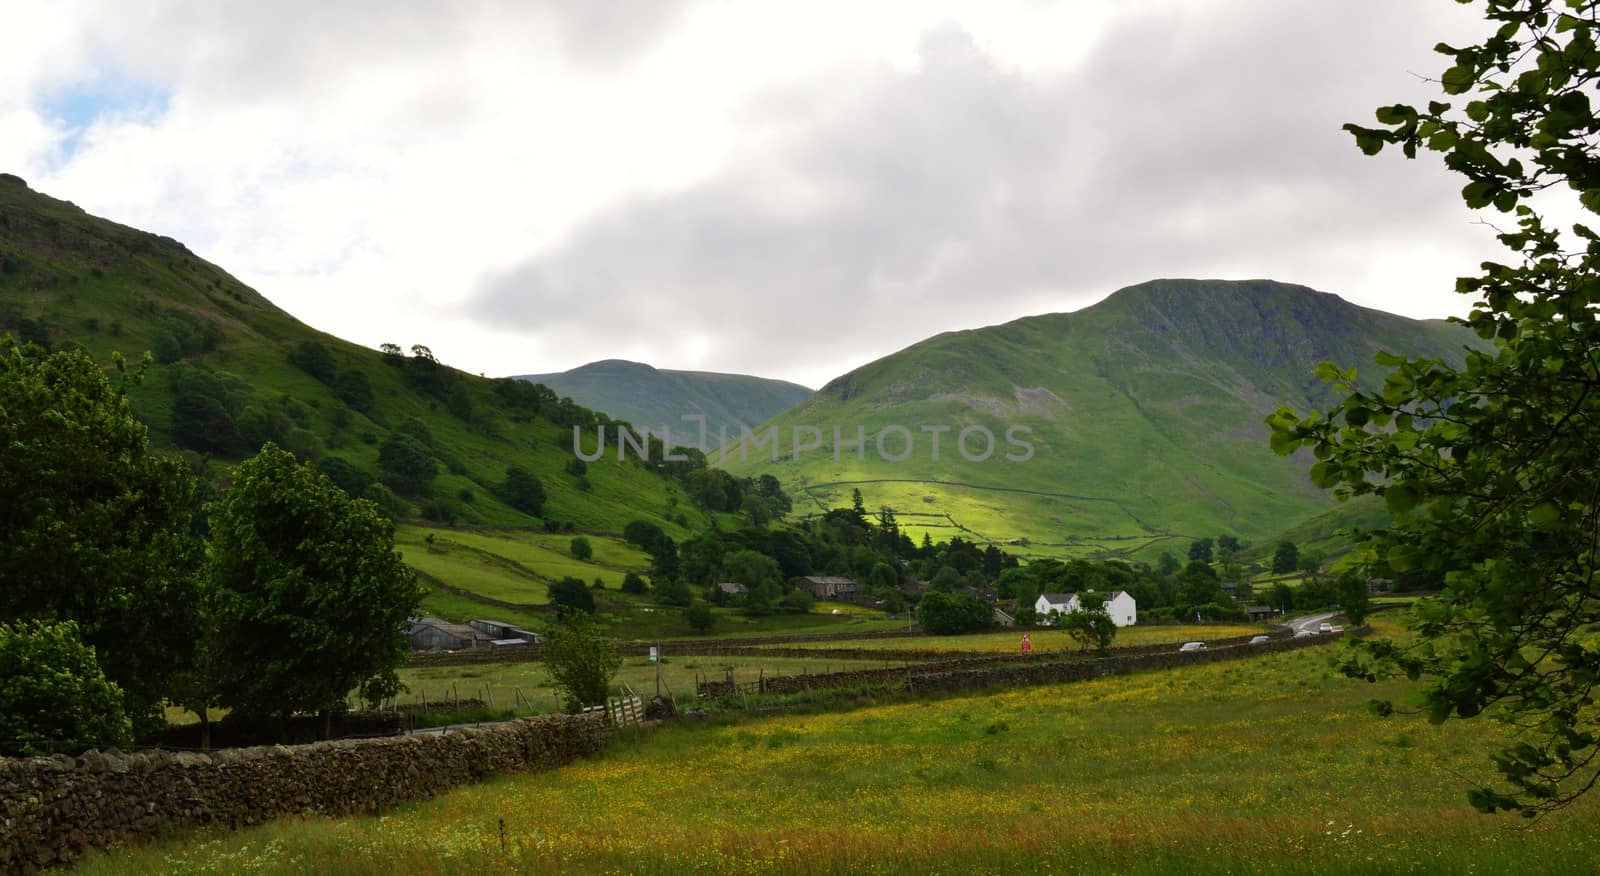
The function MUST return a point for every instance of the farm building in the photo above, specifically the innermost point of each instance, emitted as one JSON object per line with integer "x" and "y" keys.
{"x": 1120, "y": 605}
{"x": 732, "y": 588}
{"x": 502, "y": 631}
{"x": 437, "y": 634}
{"x": 830, "y": 587}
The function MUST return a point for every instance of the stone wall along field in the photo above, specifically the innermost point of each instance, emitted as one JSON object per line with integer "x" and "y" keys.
{"x": 52, "y": 809}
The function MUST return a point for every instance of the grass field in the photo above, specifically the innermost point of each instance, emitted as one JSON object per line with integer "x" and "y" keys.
{"x": 1271, "y": 765}
{"x": 1043, "y": 640}
{"x": 504, "y": 680}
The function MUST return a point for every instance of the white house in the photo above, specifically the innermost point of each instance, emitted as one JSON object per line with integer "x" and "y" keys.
{"x": 1124, "y": 612}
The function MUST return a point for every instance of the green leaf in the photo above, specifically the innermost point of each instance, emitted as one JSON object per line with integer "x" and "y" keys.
{"x": 1544, "y": 515}
{"x": 1458, "y": 79}
{"x": 1400, "y": 498}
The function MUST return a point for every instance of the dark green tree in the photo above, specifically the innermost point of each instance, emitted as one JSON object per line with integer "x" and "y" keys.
{"x": 700, "y": 617}
{"x": 94, "y": 528}
{"x": 1490, "y": 469}
{"x": 407, "y": 464}
{"x": 54, "y": 697}
{"x": 314, "y": 359}
{"x": 1285, "y": 558}
{"x": 634, "y": 583}
{"x": 1200, "y": 551}
{"x": 571, "y": 595}
{"x": 523, "y": 491}
{"x": 1355, "y": 600}
{"x": 581, "y": 548}
{"x": 1198, "y": 584}
{"x": 311, "y": 598}
{"x": 354, "y": 389}
{"x": 946, "y": 613}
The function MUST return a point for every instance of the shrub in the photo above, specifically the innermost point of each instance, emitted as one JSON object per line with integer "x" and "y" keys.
{"x": 700, "y": 617}
{"x": 581, "y": 660}
{"x": 633, "y": 582}
{"x": 581, "y": 549}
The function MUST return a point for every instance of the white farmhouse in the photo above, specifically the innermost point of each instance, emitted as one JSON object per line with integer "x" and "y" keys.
{"x": 1124, "y": 612}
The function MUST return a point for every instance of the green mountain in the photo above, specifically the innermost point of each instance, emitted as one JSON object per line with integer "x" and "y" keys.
{"x": 1144, "y": 415}
{"x": 651, "y": 398}
{"x": 233, "y": 370}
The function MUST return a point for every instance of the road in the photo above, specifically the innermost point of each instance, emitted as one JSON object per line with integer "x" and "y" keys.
{"x": 1310, "y": 622}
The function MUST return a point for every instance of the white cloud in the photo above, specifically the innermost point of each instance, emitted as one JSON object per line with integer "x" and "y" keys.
{"x": 528, "y": 186}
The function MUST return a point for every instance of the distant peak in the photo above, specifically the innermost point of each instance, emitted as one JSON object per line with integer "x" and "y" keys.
{"x": 615, "y": 365}
{"x": 13, "y": 179}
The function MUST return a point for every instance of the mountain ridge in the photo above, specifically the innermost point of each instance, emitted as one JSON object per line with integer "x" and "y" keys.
{"x": 650, "y": 397}
{"x": 1145, "y": 409}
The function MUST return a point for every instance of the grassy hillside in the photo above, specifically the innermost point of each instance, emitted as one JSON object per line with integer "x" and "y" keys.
{"x": 1268, "y": 765}
{"x": 1145, "y": 413}
{"x": 233, "y": 369}
{"x": 650, "y": 398}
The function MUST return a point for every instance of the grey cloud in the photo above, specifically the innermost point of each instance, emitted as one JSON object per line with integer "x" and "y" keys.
{"x": 951, "y": 194}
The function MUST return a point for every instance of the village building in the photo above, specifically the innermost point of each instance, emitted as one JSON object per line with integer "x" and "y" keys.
{"x": 830, "y": 587}
{"x": 1119, "y": 604}
{"x": 437, "y": 634}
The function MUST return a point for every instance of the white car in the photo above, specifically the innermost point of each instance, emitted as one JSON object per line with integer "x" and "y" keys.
{"x": 1301, "y": 634}
{"x": 1192, "y": 646}
{"x": 1260, "y": 640}
{"x": 1324, "y": 627}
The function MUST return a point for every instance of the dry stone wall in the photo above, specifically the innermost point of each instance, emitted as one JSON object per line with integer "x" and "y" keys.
{"x": 52, "y": 809}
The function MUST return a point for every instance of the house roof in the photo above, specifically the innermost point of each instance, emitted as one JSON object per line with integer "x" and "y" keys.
{"x": 460, "y": 631}
{"x": 827, "y": 579}
{"x": 732, "y": 587}
{"x": 1064, "y": 598}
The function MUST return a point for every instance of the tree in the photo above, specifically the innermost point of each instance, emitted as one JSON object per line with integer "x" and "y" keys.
{"x": 1090, "y": 626}
{"x": 581, "y": 662}
{"x": 1229, "y": 544}
{"x": 699, "y": 617}
{"x": 1489, "y": 469}
{"x": 407, "y": 464}
{"x": 1200, "y": 551}
{"x": 1286, "y": 558}
{"x": 314, "y": 359}
{"x": 1199, "y": 585}
{"x": 572, "y": 595}
{"x": 1167, "y": 564}
{"x": 1282, "y": 597}
{"x": 634, "y": 583}
{"x": 581, "y": 548}
{"x": 946, "y": 580}
{"x": 752, "y": 569}
{"x": 946, "y": 613}
{"x": 54, "y": 697}
{"x": 354, "y": 389}
{"x": 523, "y": 491}
{"x": 94, "y": 528}
{"x": 1355, "y": 600}
{"x": 311, "y": 597}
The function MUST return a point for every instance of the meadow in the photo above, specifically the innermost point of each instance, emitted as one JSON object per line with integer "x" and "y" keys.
{"x": 1269, "y": 765}
{"x": 1043, "y": 639}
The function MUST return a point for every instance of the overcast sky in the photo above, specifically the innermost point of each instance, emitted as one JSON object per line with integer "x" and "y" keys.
{"x": 784, "y": 189}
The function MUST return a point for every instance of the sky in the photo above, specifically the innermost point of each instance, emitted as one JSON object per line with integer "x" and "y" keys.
{"x": 784, "y": 189}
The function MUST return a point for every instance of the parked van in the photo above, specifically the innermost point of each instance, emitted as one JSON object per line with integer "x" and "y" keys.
{"x": 1192, "y": 646}
{"x": 1260, "y": 640}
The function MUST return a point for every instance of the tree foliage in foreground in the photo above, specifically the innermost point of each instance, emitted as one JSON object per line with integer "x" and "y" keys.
{"x": 310, "y": 596}
{"x": 94, "y": 527}
{"x": 53, "y": 694}
{"x": 1490, "y": 469}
